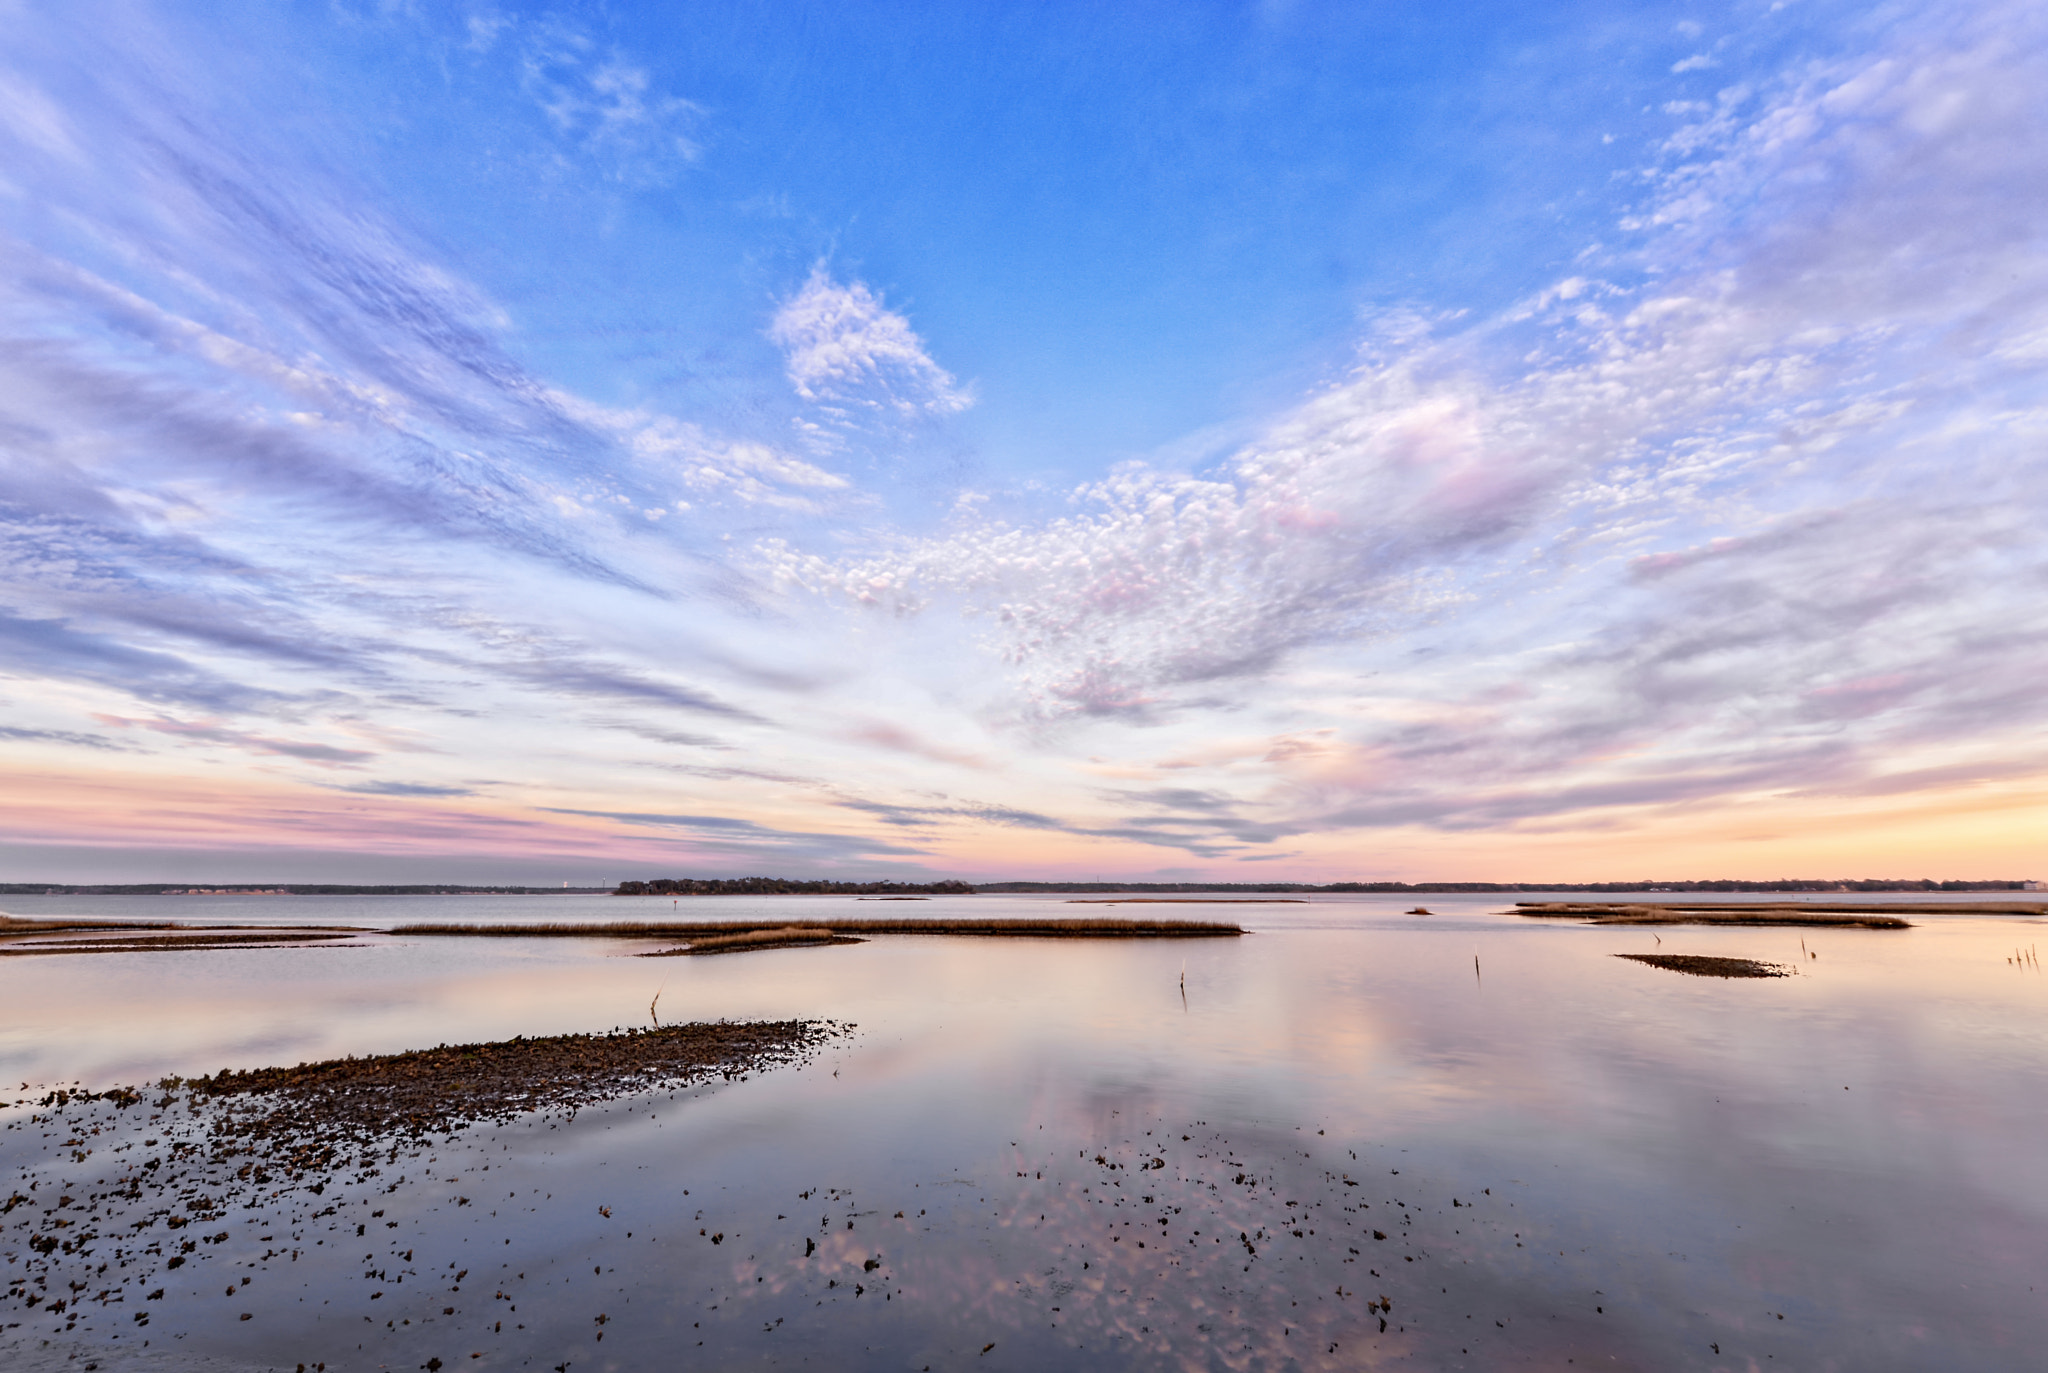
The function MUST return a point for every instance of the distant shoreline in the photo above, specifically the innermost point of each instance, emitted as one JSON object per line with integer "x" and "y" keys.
{"x": 276, "y": 889}
{"x": 779, "y": 886}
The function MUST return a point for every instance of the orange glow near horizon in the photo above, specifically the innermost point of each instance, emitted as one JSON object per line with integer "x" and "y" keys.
{"x": 1969, "y": 834}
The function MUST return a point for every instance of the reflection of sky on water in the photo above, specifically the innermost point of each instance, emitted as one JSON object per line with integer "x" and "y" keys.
{"x": 1853, "y": 1147}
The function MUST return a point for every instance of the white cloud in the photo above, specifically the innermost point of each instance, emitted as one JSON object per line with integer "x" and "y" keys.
{"x": 1163, "y": 583}
{"x": 1827, "y": 356}
{"x": 846, "y": 350}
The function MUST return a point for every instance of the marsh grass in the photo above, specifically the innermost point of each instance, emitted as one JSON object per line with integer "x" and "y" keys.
{"x": 18, "y": 925}
{"x": 1069, "y": 928}
{"x": 790, "y": 936}
{"x": 158, "y": 943}
{"x": 1822, "y": 917}
{"x": 21, "y": 938}
{"x": 1781, "y": 913}
{"x": 1187, "y": 901}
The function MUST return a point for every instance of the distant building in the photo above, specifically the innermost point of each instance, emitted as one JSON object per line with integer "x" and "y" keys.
{"x": 2034, "y": 886}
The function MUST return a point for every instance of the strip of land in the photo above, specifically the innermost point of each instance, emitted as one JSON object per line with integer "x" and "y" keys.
{"x": 26, "y": 938}
{"x": 15, "y": 924}
{"x": 440, "y": 1089}
{"x": 1703, "y": 965}
{"x": 172, "y": 941}
{"x": 1728, "y": 915}
{"x": 790, "y": 937}
{"x": 1186, "y": 901}
{"x": 1824, "y": 907}
{"x": 1063, "y": 928}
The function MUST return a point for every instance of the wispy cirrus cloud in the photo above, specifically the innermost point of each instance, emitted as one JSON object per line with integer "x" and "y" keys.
{"x": 925, "y": 817}
{"x": 262, "y": 456}
{"x": 59, "y": 736}
{"x": 614, "y": 683}
{"x": 214, "y": 732}
{"x": 602, "y": 103}
{"x": 427, "y": 789}
{"x": 42, "y": 648}
{"x": 730, "y": 836}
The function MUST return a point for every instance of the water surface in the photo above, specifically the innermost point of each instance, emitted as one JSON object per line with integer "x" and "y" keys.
{"x": 1837, "y": 1169}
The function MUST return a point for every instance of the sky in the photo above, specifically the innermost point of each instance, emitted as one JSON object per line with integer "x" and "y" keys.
{"x": 1287, "y": 441}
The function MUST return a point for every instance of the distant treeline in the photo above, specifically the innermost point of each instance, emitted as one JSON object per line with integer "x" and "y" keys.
{"x": 783, "y": 886}
{"x": 274, "y": 888}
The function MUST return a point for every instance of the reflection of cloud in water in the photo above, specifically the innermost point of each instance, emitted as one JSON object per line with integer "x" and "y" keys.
{"x": 1246, "y": 1249}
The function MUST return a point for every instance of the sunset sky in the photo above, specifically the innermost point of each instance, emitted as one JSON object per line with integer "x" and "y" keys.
{"x": 467, "y": 442}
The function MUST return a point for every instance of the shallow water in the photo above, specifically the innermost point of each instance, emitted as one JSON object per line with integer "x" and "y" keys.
{"x": 1838, "y": 1169}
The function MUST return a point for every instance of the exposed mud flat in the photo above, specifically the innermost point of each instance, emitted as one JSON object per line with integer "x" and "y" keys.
{"x": 96, "y": 1242}
{"x": 445, "y": 1088}
{"x": 1705, "y": 965}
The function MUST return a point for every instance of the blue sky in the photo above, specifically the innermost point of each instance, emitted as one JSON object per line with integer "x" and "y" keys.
{"x": 1339, "y": 441}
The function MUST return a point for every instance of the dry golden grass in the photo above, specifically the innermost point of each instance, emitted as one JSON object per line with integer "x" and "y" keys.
{"x": 1071, "y": 928}
{"x": 1832, "y": 907}
{"x": 1718, "y": 915}
{"x": 1187, "y": 901}
{"x": 14, "y": 924}
{"x": 790, "y": 936}
{"x": 161, "y": 943}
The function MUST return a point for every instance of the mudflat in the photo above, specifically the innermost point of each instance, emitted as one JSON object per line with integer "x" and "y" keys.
{"x": 1704, "y": 965}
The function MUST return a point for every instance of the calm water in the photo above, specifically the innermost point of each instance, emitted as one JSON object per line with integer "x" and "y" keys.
{"x": 1841, "y": 1169}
